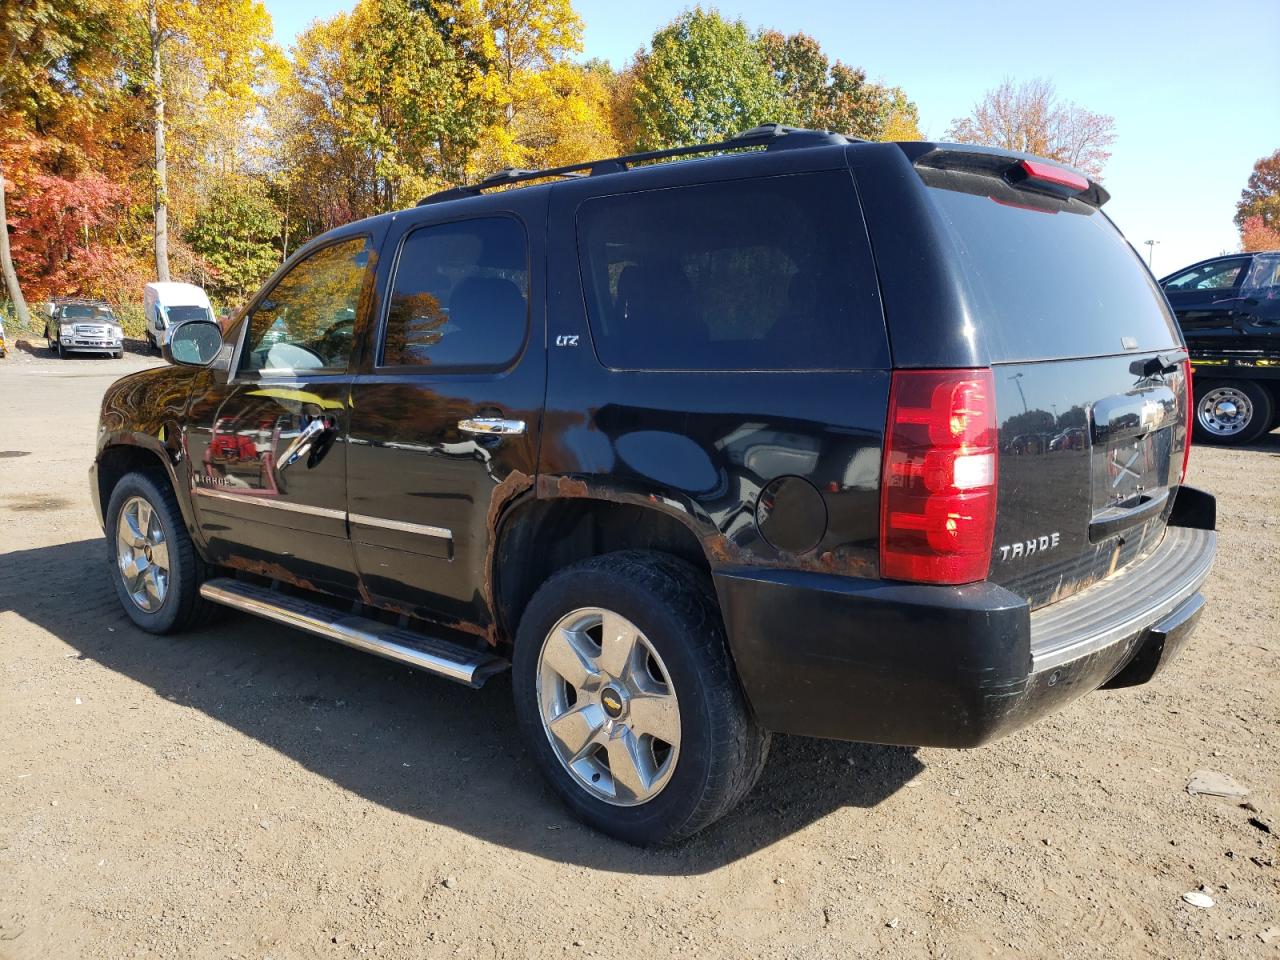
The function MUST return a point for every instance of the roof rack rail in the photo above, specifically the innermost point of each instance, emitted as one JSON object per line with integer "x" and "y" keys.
{"x": 771, "y": 136}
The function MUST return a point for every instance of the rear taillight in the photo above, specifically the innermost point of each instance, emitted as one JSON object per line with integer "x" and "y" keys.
{"x": 938, "y": 486}
{"x": 1187, "y": 371}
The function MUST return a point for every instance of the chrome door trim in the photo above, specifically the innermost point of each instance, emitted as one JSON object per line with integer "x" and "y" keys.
{"x": 274, "y": 504}
{"x": 423, "y": 529}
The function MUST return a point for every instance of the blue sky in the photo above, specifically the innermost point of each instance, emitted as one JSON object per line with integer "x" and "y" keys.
{"x": 1192, "y": 84}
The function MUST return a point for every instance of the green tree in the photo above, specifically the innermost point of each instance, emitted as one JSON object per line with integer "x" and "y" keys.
{"x": 819, "y": 94}
{"x": 703, "y": 78}
{"x": 235, "y": 234}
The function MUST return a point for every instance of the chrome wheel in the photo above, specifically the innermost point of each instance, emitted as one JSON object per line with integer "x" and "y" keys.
{"x": 1224, "y": 411}
{"x": 142, "y": 554}
{"x": 608, "y": 706}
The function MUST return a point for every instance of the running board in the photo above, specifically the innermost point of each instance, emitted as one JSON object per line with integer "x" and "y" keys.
{"x": 445, "y": 659}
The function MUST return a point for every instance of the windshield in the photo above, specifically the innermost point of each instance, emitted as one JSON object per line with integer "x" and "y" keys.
{"x": 184, "y": 313}
{"x": 76, "y": 311}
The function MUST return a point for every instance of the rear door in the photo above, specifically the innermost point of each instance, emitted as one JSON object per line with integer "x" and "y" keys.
{"x": 1091, "y": 390}
{"x": 267, "y": 448}
{"x": 447, "y": 408}
{"x": 718, "y": 352}
{"x": 1259, "y": 309}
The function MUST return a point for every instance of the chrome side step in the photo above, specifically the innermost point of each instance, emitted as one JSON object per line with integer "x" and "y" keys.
{"x": 445, "y": 659}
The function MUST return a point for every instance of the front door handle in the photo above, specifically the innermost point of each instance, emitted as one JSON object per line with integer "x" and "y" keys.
{"x": 303, "y": 442}
{"x": 491, "y": 426}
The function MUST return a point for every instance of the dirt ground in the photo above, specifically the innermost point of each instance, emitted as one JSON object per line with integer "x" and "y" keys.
{"x": 253, "y": 792}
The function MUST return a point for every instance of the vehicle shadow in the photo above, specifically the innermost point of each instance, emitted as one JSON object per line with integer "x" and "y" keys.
{"x": 413, "y": 743}
{"x": 1267, "y": 443}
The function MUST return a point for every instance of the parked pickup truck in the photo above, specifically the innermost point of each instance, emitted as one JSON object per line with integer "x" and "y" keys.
{"x": 83, "y": 326}
{"x": 1229, "y": 311}
{"x": 699, "y": 450}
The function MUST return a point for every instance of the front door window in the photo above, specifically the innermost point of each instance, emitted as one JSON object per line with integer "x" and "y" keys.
{"x": 307, "y": 321}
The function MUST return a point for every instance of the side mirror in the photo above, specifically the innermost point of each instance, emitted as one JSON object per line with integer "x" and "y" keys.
{"x": 196, "y": 343}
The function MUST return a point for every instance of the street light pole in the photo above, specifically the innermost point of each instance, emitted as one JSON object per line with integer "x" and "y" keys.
{"x": 1151, "y": 248}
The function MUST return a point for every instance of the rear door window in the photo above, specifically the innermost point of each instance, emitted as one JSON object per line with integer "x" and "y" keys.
{"x": 1050, "y": 284}
{"x": 460, "y": 296}
{"x": 765, "y": 274}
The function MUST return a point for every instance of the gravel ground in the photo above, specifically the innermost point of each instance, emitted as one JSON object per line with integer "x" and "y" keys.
{"x": 252, "y": 792}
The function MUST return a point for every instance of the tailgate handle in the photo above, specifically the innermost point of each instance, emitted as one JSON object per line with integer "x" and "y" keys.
{"x": 1111, "y": 521}
{"x": 1153, "y": 365}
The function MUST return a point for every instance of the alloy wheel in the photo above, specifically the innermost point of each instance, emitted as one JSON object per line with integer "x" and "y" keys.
{"x": 142, "y": 554}
{"x": 608, "y": 706}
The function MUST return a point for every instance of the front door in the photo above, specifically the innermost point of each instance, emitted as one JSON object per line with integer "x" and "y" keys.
{"x": 268, "y": 448}
{"x": 446, "y": 412}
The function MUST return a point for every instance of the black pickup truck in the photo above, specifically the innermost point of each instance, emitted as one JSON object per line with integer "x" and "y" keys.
{"x": 803, "y": 434}
{"x": 1229, "y": 311}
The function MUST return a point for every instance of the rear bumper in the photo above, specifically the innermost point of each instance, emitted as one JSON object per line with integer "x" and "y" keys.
{"x": 889, "y": 662}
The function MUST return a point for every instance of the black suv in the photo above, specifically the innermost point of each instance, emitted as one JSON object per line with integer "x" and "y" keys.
{"x": 1229, "y": 311}
{"x": 808, "y": 435}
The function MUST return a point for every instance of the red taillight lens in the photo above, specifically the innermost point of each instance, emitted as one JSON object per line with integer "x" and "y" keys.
{"x": 1050, "y": 173}
{"x": 1187, "y": 371}
{"x": 938, "y": 486}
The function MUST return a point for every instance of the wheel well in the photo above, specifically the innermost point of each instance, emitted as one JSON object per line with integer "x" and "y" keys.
{"x": 547, "y": 535}
{"x": 115, "y": 462}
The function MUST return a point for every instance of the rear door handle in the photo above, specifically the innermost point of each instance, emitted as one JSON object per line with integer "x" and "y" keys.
{"x": 491, "y": 426}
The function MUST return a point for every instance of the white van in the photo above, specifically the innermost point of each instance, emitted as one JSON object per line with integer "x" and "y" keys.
{"x": 168, "y": 304}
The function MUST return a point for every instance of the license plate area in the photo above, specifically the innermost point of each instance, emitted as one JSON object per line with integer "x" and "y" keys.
{"x": 1130, "y": 478}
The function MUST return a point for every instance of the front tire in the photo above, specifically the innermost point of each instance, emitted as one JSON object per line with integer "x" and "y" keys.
{"x": 1231, "y": 412}
{"x": 627, "y": 697}
{"x": 153, "y": 563}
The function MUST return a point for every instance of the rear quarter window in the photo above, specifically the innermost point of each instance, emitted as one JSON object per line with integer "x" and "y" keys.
{"x": 763, "y": 274}
{"x": 1051, "y": 283}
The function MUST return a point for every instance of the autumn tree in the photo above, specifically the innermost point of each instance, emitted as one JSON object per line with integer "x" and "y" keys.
{"x": 213, "y": 53}
{"x": 544, "y": 109}
{"x": 1029, "y": 118}
{"x": 819, "y": 94}
{"x": 702, "y": 78}
{"x": 1258, "y": 212}
{"x": 46, "y": 47}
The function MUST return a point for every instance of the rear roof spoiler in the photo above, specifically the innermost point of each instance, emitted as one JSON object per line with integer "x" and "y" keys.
{"x": 1007, "y": 165}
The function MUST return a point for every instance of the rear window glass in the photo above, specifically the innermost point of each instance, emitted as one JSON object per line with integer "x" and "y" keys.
{"x": 1049, "y": 284}
{"x": 767, "y": 274}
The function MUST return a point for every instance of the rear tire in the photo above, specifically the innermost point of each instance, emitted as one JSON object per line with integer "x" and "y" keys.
{"x": 1231, "y": 412}
{"x": 663, "y": 611}
{"x": 153, "y": 563}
